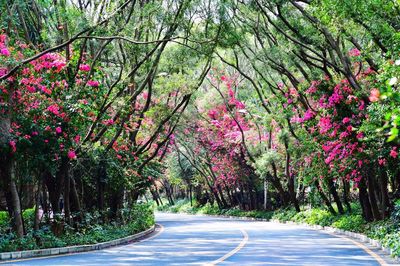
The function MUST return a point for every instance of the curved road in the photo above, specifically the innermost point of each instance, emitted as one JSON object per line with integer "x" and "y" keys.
{"x": 199, "y": 240}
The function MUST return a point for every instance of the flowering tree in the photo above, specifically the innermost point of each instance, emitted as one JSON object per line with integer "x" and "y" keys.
{"x": 87, "y": 115}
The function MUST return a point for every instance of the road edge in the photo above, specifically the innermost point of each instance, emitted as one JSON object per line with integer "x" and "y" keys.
{"x": 328, "y": 229}
{"x": 26, "y": 254}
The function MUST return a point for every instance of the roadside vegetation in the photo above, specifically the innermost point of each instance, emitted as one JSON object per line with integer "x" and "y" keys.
{"x": 91, "y": 230}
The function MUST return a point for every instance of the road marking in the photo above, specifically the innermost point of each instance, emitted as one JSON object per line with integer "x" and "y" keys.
{"x": 234, "y": 251}
{"x": 84, "y": 252}
{"x": 378, "y": 258}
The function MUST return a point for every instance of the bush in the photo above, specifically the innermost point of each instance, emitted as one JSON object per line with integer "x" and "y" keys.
{"x": 351, "y": 222}
{"x": 284, "y": 214}
{"x": 396, "y": 213}
{"x": 320, "y": 217}
{"x": 4, "y": 222}
{"x": 209, "y": 209}
{"x": 138, "y": 218}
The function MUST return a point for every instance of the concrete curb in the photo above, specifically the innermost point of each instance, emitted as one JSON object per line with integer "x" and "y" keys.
{"x": 355, "y": 236}
{"x": 72, "y": 249}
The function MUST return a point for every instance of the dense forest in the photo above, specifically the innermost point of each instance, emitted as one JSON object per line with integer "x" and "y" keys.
{"x": 252, "y": 105}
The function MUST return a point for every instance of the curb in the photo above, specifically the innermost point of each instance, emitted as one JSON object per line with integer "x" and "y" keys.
{"x": 72, "y": 249}
{"x": 355, "y": 236}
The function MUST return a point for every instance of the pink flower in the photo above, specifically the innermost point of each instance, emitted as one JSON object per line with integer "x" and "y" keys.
{"x": 324, "y": 124}
{"x": 13, "y": 145}
{"x": 71, "y": 155}
{"x": 309, "y": 114}
{"x": 346, "y": 120}
{"x": 93, "y": 83}
{"x": 360, "y": 135}
{"x": 374, "y": 96}
{"x": 3, "y": 71}
{"x": 108, "y": 122}
{"x": 5, "y": 52}
{"x": 77, "y": 138}
{"x": 30, "y": 88}
{"x": 84, "y": 67}
{"x": 393, "y": 152}
{"x": 83, "y": 101}
{"x": 54, "y": 109}
{"x": 381, "y": 161}
{"x": 354, "y": 52}
{"x": 362, "y": 106}
{"x": 343, "y": 135}
{"x": 58, "y": 130}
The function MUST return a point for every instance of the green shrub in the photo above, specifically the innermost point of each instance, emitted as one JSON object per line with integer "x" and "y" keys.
{"x": 137, "y": 218}
{"x": 396, "y": 213}
{"x": 350, "y": 222}
{"x": 234, "y": 212}
{"x": 320, "y": 217}
{"x": 209, "y": 209}
{"x": 4, "y": 222}
{"x": 47, "y": 239}
{"x": 284, "y": 214}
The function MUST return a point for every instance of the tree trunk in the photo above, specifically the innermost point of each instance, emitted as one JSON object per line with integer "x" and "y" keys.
{"x": 336, "y": 198}
{"x": 7, "y": 167}
{"x": 44, "y": 201}
{"x": 16, "y": 204}
{"x": 74, "y": 196}
{"x": 290, "y": 178}
{"x": 372, "y": 197}
{"x": 385, "y": 203}
{"x": 265, "y": 194}
{"x": 277, "y": 184}
{"x": 67, "y": 206}
{"x": 346, "y": 192}
{"x": 223, "y": 201}
{"x": 190, "y": 195}
{"x": 101, "y": 178}
{"x": 364, "y": 201}
{"x": 37, "y": 208}
{"x": 155, "y": 197}
{"x": 324, "y": 198}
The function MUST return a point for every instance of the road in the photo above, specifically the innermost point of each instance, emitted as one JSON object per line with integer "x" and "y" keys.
{"x": 199, "y": 240}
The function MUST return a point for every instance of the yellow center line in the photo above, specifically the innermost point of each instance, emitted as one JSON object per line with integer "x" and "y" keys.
{"x": 77, "y": 253}
{"x": 234, "y": 251}
{"x": 362, "y": 246}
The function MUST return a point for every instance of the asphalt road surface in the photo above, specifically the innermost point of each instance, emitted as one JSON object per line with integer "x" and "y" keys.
{"x": 199, "y": 240}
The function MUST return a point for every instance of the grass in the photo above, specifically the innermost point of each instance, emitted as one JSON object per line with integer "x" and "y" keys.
{"x": 387, "y": 232}
{"x": 138, "y": 218}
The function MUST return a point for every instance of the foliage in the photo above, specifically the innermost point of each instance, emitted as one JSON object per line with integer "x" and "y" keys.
{"x": 138, "y": 218}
